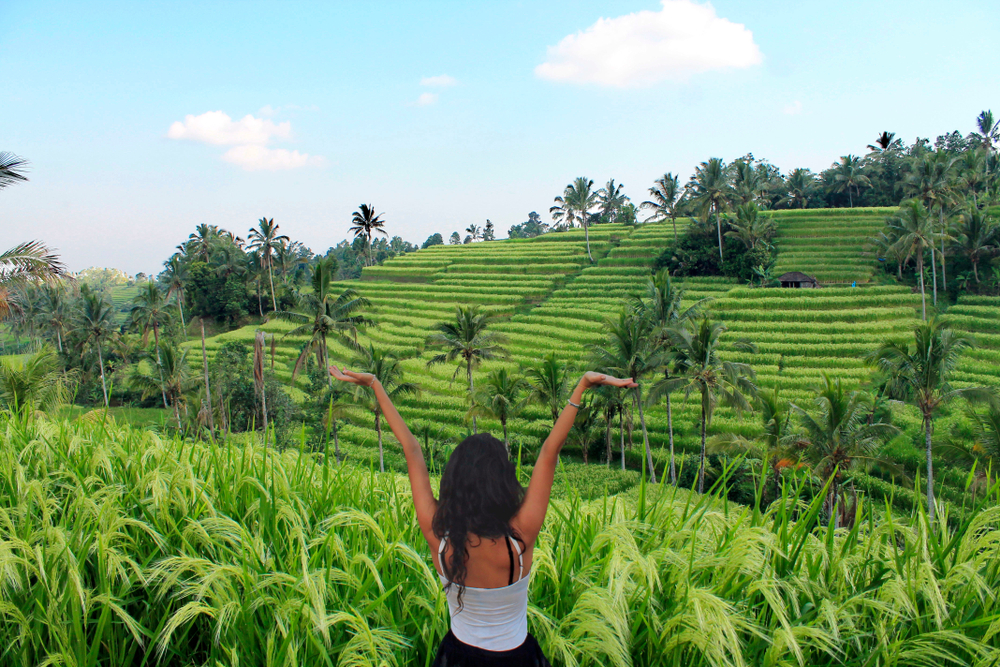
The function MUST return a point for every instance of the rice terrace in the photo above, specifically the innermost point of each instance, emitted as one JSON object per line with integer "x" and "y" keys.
{"x": 742, "y": 415}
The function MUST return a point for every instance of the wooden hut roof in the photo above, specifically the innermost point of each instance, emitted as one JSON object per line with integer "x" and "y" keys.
{"x": 796, "y": 277}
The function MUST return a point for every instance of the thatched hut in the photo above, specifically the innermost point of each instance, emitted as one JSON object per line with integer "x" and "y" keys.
{"x": 797, "y": 279}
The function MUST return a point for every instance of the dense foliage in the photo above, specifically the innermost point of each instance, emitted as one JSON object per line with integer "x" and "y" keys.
{"x": 162, "y": 551}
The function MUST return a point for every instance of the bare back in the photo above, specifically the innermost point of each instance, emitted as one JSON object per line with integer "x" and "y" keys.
{"x": 489, "y": 561}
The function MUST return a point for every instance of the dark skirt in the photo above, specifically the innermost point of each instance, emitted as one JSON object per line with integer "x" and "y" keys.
{"x": 454, "y": 653}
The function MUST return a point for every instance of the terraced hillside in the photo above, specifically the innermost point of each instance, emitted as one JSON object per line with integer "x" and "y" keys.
{"x": 829, "y": 244}
{"x": 551, "y": 299}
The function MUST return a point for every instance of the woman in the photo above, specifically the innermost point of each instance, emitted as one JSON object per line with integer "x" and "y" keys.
{"x": 482, "y": 531}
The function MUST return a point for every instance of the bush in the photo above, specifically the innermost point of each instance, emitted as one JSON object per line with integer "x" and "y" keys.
{"x": 696, "y": 253}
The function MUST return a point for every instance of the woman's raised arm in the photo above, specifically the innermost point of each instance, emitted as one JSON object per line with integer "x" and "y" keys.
{"x": 420, "y": 483}
{"x": 536, "y": 501}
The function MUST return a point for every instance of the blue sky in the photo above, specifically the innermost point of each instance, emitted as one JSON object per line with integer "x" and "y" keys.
{"x": 514, "y": 103}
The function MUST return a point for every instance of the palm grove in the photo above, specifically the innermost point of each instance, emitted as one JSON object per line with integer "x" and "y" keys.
{"x": 942, "y": 240}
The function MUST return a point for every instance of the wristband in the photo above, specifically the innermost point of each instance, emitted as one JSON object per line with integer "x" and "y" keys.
{"x": 573, "y": 404}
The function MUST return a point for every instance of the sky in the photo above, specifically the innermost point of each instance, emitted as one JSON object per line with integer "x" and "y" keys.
{"x": 143, "y": 120}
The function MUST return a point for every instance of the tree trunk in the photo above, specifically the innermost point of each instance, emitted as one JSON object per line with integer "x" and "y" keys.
{"x": 506, "y": 444}
{"x": 923, "y": 295}
{"x": 159, "y": 366}
{"x": 674, "y": 220}
{"x": 208, "y": 388}
{"x": 586, "y": 232}
{"x": 621, "y": 433}
{"x": 180, "y": 307}
{"x": 260, "y": 305}
{"x": 645, "y": 436}
{"x": 934, "y": 271}
{"x": 944, "y": 270}
{"x": 607, "y": 435}
{"x": 270, "y": 275}
{"x": 670, "y": 430}
{"x": 701, "y": 466}
{"x": 59, "y": 335}
{"x": 928, "y": 428}
{"x": 104, "y": 384}
{"x": 850, "y": 199}
{"x": 378, "y": 429}
{"x": 468, "y": 371}
{"x": 177, "y": 416}
{"x": 975, "y": 271}
{"x": 718, "y": 227}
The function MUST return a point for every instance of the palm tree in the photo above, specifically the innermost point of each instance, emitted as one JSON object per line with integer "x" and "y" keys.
{"x": 500, "y": 397}
{"x": 575, "y": 204}
{"x": 26, "y": 262}
{"x": 549, "y": 383}
{"x": 839, "y": 437}
{"x": 912, "y": 227}
{"x": 202, "y": 241}
{"x": 608, "y": 400}
{"x": 696, "y": 359}
{"x": 265, "y": 239}
{"x": 475, "y": 233}
{"x": 12, "y": 168}
{"x": 322, "y": 316}
{"x": 662, "y": 200}
{"x": 710, "y": 191}
{"x": 55, "y": 311}
{"x": 611, "y": 200}
{"x": 972, "y": 174}
{"x": 989, "y": 132}
{"x": 848, "y": 173}
{"x": 978, "y": 234}
{"x": 751, "y": 226}
{"x": 33, "y": 382}
{"x": 747, "y": 182}
{"x": 920, "y": 377}
{"x": 800, "y": 184}
{"x": 150, "y": 312}
{"x": 883, "y": 142}
{"x": 468, "y": 340}
{"x": 387, "y": 370}
{"x": 628, "y": 351}
{"x": 931, "y": 181}
{"x": 661, "y": 305}
{"x": 176, "y": 379}
{"x": 95, "y": 324}
{"x": 175, "y": 278}
{"x": 364, "y": 223}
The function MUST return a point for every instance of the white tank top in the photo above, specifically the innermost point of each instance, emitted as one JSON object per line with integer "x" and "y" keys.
{"x": 493, "y": 619}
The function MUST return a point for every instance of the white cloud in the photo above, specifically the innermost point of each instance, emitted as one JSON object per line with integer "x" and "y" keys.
{"x": 248, "y": 137}
{"x": 256, "y": 158}
{"x": 793, "y": 109}
{"x": 442, "y": 81}
{"x": 216, "y": 127}
{"x": 426, "y": 98}
{"x": 640, "y": 49}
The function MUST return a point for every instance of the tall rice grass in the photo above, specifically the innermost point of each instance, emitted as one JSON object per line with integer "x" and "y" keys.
{"x": 119, "y": 546}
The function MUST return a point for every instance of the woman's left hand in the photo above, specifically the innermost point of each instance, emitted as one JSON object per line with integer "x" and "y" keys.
{"x": 592, "y": 379}
{"x": 362, "y": 379}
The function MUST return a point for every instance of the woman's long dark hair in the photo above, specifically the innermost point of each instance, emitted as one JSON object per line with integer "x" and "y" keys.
{"x": 479, "y": 495}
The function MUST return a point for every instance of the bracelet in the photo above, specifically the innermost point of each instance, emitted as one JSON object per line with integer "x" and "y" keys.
{"x": 573, "y": 404}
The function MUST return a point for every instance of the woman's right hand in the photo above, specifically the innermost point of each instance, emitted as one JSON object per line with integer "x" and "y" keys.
{"x": 361, "y": 379}
{"x": 593, "y": 379}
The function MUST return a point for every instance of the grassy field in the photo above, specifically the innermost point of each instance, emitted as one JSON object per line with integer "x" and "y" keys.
{"x": 551, "y": 299}
{"x": 122, "y": 547}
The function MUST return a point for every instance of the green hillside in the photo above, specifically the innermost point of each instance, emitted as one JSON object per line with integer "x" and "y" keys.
{"x": 551, "y": 299}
